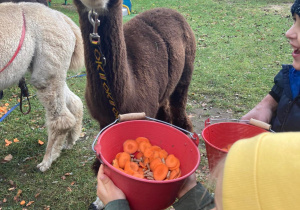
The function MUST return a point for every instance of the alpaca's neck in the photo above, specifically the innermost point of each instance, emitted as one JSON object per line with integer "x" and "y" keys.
{"x": 113, "y": 46}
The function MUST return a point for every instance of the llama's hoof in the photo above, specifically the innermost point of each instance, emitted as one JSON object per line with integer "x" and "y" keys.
{"x": 67, "y": 146}
{"x": 43, "y": 166}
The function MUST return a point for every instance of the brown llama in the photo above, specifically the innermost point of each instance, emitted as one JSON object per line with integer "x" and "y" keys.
{"x": 149, "y": 63}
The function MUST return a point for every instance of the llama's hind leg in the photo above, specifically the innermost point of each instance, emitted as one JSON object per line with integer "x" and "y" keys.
{"x": 178, "y": 101}
{"x": 74, "y": 104}
{"x": 164, "y": 113}
{"x": 57, "y": 132}
{"x": 59, "y": 120}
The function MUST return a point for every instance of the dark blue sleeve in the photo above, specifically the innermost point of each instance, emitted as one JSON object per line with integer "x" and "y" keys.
{"x": 277, "y": 89}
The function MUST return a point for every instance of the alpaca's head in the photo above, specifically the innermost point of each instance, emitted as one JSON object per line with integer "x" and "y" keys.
{"x": 95, "y": 4}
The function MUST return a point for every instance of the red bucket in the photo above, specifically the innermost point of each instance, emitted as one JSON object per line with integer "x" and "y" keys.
{"x": 141, "y": 193}
{"x": 219, "y": 135}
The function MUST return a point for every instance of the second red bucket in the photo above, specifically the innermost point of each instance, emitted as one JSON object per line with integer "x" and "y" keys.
{"x": 219, "y": 135}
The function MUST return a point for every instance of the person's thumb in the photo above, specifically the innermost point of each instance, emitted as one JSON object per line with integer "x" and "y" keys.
{"x": 104, "y": 179}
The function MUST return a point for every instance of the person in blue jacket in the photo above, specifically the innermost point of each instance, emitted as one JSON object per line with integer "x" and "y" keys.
{"x": 281, "y": 106}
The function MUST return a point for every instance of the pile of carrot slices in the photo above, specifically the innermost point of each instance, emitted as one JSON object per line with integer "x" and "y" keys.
{"x": 146, "y": 161}
{"x": 227, "y": 148}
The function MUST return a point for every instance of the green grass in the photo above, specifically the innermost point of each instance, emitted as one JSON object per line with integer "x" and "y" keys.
{"x": 240, "y": 47}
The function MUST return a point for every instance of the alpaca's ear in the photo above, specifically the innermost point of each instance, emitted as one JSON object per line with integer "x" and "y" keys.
{"x": 96, "y": 165}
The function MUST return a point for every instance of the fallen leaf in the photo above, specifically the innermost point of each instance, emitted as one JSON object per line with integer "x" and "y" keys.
{"x": 29, "y": 203}
{"x": 12, "y": 183}
{"x": 16, "y": 140}
{"x": 69, "y": 189}
{"x": 68, "y": 174}
{"x": 37, "y": 195}
{"x": 63, "y": 177}
{"x": 22, "y": 202}
{"x": 82, "y": 134}
{"x": 7, "y": 158}
{"x": 73, "y": 183}
{"x": 18, "y": 194}
{"x": 40, "y": 142}
{"x": 4, "y": 200}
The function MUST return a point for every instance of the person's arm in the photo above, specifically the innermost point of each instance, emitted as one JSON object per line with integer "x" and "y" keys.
{"x": 193, "y": 195}
{"x": 263, "y": 111}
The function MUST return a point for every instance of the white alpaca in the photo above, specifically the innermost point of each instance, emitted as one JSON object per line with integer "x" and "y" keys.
{"x": 52, "y": 44}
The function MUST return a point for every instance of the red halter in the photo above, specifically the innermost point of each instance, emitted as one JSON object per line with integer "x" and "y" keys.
{"x": 20, "y": 45}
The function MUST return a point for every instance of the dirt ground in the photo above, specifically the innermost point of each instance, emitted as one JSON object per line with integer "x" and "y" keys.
{"x": 198, "y": 117}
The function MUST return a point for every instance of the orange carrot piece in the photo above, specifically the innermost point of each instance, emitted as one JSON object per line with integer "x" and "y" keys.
{"x": 154, "y": 163}
{"x": 118, "y": 155}
{"x": 141, "y": 139}
{"x": 154, "y": 156}
{"x": 128, "y": 169}
{"x": 143, "y": 145}
{"x": 148, "y": 152}
{"x": 139, "y": 155}
{"x": 179, "y": 174}
{"x": 130, "y": 146}
{"x": 155, "y": 148}
{"x": 176, "y": 166}
{"x": 171, "y": 161}
{"x": 123, "y": 158}
{"x": 163, "y": 154}
{"x": 115, "y": 163}
{"x": 174, "y": 173}
{"x": 160, "y": 172}
{"x": 138, "y": 175}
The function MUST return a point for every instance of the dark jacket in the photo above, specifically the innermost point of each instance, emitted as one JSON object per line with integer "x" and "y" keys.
{"x": 287, "y": 115}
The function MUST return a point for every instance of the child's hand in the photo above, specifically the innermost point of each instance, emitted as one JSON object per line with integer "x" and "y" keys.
{"x": 106, "y": 190}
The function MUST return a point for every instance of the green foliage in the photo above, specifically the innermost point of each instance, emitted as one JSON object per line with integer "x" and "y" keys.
{"x": 240, "y": 48}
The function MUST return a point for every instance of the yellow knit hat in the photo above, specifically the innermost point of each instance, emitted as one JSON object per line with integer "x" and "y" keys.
{"x": 263, "y": 172}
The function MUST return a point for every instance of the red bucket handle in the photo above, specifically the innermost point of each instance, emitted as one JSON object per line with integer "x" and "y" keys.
{"x": 140, "y": 116}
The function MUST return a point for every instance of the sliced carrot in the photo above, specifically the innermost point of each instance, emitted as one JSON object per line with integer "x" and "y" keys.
{"x": 123, "y": 158}
{"x": 155, "y": 148}
{"x": 163, "y": 154}
{"x": 148, "y": 152}
{"x": 138, "y": 175}
{"x": 160, "y": 172}
{"x": 179, "y": 174}
{"x": 128, "y": 169}
{"x": 154, "y": 163}
{"x": 171, "y": 161}
{"x": 139, "y": 155}
{"x": 174, "y": 173}
{"x": 115, "y": 163}
{"x": 154, "y": 156}
{"x": 176, "y": 166}
{"x": 130, "y": 146}
{"x": 143, "y": 145}
{"x": 140, "y": 139}
{"x": 141, "y": 171}
{"x": 118, "y": 155}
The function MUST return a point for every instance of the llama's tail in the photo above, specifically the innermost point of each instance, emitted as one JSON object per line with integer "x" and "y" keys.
{"x": 77, "y": 60}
